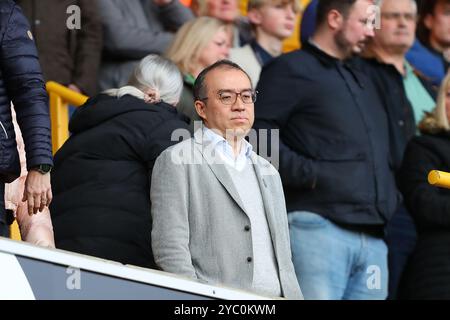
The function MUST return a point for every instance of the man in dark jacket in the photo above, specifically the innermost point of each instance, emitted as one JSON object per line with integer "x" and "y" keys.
{"x": 69, "y": 53}
{"x": 21, "y": 83}
{"x": 406, "y": 97}
{"x": 334, "y": 157}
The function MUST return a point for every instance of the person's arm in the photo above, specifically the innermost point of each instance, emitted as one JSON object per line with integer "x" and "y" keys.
{"x": 36, "y": 229}
{"x": 429, "y": 205}
{"x": 170, "y": 217}
{"x": 122, "y": 38}
{"x": 25, "y": 86}
{"x": 88, "y": 49}
{"x": 173, "y": 13}
{"x": 278, "y": 95}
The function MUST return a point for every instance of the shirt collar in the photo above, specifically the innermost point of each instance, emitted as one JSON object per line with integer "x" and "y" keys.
{"x": 262, "y": 55}
{"x": 224, "y": 148}
{"x": 189, "y": 78}
{"x": 409, "y": 69}
{"x": 324, "y": 58}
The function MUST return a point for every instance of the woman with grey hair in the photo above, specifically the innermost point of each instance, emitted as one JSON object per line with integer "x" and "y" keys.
{"x": 101, "y": 176}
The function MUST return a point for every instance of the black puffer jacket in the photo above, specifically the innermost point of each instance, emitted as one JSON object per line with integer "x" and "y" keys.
{"x": 101, "y": 178}
{"x": 428, "y": 271}
{"x": 21, "y": 82}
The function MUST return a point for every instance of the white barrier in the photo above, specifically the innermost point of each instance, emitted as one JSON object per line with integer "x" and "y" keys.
{"x": 32, "y": 272}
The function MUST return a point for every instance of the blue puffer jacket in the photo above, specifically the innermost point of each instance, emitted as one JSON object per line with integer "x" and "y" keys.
{"x": 429, "y": 62}
{"x": 22, "y": 84}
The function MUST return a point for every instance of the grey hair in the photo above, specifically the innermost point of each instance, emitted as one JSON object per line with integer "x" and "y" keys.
{"x": 157, "y": 74}
{"x": 380, "y": 2}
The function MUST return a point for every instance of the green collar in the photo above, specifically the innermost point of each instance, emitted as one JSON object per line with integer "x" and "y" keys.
{"x": 189, "y": 78}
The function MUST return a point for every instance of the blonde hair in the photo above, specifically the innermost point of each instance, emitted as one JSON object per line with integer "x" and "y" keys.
{"x": 256, "y": 4}
{"x": 154, "y": 74}
{"x": 191, "y": 39}
{"x": 437, "y": 120}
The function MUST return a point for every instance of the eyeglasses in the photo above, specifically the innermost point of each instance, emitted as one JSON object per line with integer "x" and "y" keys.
{"x": 230, "y": 97}
{"x": 410, "y": 17}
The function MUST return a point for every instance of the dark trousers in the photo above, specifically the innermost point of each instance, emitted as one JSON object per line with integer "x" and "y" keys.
{"x": 401, "y": 239}
{"x": 4, "y": 230}
{"x": 4, "y": 227}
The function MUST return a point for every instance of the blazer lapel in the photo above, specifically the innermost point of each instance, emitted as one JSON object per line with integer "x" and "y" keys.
{"x": 218, "y": 169}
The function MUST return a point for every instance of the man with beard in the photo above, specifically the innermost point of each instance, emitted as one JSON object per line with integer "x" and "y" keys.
{"x": 334, "y": 157}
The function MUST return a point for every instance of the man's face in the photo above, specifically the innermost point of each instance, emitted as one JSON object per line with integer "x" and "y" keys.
{"x": 439, "y": 24}
{"x": 274, "y": 20}
{"x": 225, "y": 10}
{"x": 231, "y": 120}
{"x": 398, "y": 26}
{"x": 356, "y": 28}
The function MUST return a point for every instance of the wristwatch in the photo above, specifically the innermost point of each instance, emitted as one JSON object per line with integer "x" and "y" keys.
{"x": 43, "y": 168}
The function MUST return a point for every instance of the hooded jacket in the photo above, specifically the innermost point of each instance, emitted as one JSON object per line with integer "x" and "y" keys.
{"x": 101, "y": 177}
{"x": 428, "y": 271}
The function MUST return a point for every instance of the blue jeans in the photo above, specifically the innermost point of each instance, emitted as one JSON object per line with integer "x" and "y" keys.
{"x": 332, "y": 263}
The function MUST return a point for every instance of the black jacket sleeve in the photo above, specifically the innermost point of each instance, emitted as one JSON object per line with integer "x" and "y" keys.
{"x": 278, "y": 94}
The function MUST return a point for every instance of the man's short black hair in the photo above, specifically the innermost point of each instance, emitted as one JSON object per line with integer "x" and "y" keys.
{"x": 199, "y": 84}
{"x": 426, "y": 7}
{"x": 325, "y": 6}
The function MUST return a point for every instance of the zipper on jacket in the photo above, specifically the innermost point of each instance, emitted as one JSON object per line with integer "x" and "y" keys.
{"x": 4, "y": 130}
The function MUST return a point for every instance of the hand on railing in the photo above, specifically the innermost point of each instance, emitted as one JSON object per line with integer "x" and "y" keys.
{"x": 74, "y": 88}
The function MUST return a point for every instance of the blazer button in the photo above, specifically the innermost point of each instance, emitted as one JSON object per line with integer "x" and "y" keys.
{"x": 247, "y": 228}
{"x": 249, "y": 259}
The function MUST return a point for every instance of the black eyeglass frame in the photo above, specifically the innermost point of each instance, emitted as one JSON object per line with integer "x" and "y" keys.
{"x": 254, "y": 94}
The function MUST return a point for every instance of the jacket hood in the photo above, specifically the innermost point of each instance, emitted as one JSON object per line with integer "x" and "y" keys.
{"x": 429, "y": 125}
{"x": 104, "y": 107}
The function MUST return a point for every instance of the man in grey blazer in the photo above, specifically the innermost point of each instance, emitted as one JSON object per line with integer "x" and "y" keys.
{"x": 218, "y": 209}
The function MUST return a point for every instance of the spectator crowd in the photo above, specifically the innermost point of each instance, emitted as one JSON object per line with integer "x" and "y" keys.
{"x": 208, "y": 151}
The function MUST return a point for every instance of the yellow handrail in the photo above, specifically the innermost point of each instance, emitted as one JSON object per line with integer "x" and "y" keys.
{"x": 14, "y": 231}
{"x": 439, "y": 179}
{"x": 60, "y": 98}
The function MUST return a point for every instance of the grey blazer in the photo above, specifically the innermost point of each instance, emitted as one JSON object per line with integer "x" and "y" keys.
{"x": 199, "y": 221}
